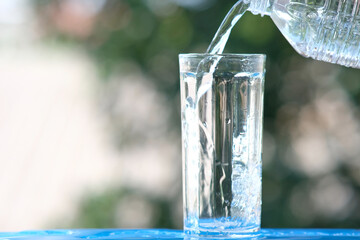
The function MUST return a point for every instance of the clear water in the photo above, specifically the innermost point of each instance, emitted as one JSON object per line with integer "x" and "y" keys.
{"x": 225, "y": 165}
{"x": 221, "y": 37}
{"x": 224, "y": 111}
{"x": 208, "y": 65}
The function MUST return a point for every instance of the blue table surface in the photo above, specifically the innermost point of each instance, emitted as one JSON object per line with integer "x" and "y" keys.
{"x": 297, "y": 234}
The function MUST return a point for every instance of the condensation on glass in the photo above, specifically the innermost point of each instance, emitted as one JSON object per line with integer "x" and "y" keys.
{"x": 222, "y": 117}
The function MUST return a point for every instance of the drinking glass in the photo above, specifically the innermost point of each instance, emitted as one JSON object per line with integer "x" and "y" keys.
{"x": 222, "y": 118}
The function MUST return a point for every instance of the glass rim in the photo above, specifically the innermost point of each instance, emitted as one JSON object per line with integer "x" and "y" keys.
{"x": 255, "y": 56}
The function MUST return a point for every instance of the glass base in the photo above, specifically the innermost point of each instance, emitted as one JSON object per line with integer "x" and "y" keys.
{"x": 224, "y": 227}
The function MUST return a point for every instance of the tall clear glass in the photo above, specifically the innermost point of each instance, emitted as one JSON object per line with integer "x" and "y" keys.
{"x": 222, "y": 118}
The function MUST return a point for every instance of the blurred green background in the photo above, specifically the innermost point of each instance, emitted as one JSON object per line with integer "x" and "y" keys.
{"x": 311, "y": 156}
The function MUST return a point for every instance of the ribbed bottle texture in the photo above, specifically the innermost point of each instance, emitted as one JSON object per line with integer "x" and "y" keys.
{"x": 326, "y": 30}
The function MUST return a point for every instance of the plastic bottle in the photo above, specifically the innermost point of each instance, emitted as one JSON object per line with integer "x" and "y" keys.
{"x": 326, "y": 30}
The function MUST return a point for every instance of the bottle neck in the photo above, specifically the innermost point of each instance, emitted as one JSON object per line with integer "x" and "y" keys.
{"x": 262, "y": 7}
